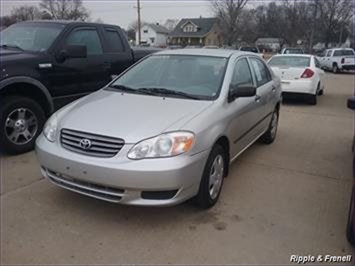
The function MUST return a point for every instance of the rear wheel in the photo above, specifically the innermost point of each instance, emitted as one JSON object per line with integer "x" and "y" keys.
{"x": 270, "y": 135}
{"x": 212, "y": 178}
{"x": 312, "y": 100}
{"x": 21, "y": 121}
{"x": 335, "y": 68}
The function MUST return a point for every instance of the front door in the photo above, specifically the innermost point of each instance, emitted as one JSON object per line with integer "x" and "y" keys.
{"x": 84, "y": 75}
{"x": 242, "y": 111}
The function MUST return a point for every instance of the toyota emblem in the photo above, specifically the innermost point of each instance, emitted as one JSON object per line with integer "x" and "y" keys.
{"x": 85, "y": 144}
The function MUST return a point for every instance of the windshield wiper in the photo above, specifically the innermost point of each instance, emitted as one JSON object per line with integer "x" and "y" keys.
{"x": 10, "y": 46}
{"x": 163, "y": 91}
{"x": 129, "y": 89}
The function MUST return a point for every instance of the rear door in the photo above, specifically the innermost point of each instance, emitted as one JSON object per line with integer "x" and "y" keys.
{"x": 118, "y": 55}
{"x": 265, "y": 91}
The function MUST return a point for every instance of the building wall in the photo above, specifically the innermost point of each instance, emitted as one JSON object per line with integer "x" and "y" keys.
{"x": 149, "y": 36}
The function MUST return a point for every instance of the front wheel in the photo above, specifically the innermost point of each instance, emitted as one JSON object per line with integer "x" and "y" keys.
{"x": 335, "y": 69}
{"x": 270, "y": 135}
{"x": 212, "y": 178}
{"x": 21, "y": 121}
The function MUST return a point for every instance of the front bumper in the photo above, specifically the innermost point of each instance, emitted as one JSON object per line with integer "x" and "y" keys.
{"x": 299, "y": 86}
{"x": 149, "y": 182}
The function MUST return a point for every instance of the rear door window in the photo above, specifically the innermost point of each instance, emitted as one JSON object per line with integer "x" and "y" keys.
{"x": 114, "y": 40}
{"x": 261, "y": 72}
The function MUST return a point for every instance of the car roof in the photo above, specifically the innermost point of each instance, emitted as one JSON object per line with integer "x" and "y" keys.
{"x": 64, "y": 22}
{"x": 225, "y": 53}
{"x": 293, "y": 55}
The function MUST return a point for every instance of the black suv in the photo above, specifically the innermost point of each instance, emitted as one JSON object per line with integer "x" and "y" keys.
{"x": 46, "y": 64}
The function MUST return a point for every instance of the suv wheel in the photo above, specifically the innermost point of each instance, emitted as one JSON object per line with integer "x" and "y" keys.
{"x": 335, "y": 68}
{"x": 212, "y": 178}
{"x": 270, "y": 135}
{"x": 21, "y": 121}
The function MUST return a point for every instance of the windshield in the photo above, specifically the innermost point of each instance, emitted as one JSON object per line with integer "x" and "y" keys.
{"x": 30, "y": 37}
{"x": 197, "y": 76}
{"x": 290, "y": 61}
{"x": 249, "y": 49}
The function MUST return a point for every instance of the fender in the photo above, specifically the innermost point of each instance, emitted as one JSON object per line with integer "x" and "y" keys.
{"x": 32, "y": 81}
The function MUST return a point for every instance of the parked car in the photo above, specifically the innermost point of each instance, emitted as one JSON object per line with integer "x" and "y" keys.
{"x": 290, "y": 50}
{"x": 338, "y": 59}
{"x": 252, "y": 49}
{"x": 46, "y": 64}
{"x": 301, "y": 75}
{"x": 165, "y": 130}
{"x": 350, "y": 224}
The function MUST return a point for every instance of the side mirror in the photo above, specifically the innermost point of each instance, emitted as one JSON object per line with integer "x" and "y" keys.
{"x": 72, "y": 51}
{"x": 240, "y": 91}
{"x": 351, "y": 103}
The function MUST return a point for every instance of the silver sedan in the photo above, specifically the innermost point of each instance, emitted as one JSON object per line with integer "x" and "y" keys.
{"x": 164, "y": 131}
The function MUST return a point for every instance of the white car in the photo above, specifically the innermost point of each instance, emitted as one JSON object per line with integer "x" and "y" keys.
{"x": 300, "y": 75}
{"x": 338, "y": 59}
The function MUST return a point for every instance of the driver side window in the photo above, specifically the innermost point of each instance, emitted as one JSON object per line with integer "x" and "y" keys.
{"x": 242, "y": 74}
{"x": 88, "y": 37}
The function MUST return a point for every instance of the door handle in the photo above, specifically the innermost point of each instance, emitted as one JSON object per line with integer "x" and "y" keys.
{"x": 273, "y": 89}
{"x": 257, "y": 98}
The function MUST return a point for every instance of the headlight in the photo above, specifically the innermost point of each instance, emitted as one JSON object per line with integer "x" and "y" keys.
{"x": 165, "y": 145}
{"x": 50, "y": 128}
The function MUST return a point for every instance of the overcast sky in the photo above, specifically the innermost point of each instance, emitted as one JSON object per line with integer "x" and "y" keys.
{"x": 123, "y": 12}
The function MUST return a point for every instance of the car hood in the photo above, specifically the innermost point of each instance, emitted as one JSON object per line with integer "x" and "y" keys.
{"x": 132, "y": 117}
{"x": 13, "y": 56}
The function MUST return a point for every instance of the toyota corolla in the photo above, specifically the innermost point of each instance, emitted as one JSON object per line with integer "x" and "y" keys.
{"x": 164, "y": 131}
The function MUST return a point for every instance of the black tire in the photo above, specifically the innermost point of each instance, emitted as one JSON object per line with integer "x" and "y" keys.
{"x": 321, "y": 92}
{"x": 312, "y": 100}
{"x": 33, "y": 111}
{"x": 270, "y": 136}
{"x": 203, "y": 198}
{"x": 350, "y": 224}
{"x": 335, "y": 69}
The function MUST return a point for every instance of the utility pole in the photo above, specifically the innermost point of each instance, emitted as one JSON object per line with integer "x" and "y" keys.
{"x": 139, "y": 21}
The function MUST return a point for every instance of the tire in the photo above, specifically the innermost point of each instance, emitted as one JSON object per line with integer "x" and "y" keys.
{"x": 312, "y": 100}
{"x": 21, "y": 121}
{"x": 350, "y": 224}
{"x": 319, "y": 91}
{"x": 335, "y": 69}
{"x": 270, "y": 135}
{"x": 206, "y": 197}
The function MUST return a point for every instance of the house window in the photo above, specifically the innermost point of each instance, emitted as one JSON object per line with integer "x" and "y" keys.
{"x": 189, "y": 28}
{"x": 145, "y": 31}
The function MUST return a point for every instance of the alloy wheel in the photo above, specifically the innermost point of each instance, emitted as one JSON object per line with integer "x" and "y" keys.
{"x": 21, "y": 126}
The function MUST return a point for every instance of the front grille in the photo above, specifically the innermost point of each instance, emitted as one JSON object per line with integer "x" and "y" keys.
{"x": 90, "y": 144}
{"x": 90, "y": 189}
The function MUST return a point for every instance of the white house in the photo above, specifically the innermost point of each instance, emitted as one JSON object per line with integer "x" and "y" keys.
{"x": 153, "y": 34}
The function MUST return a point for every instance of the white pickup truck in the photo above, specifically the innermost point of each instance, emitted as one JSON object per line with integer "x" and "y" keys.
{"x": 338, "y": 59}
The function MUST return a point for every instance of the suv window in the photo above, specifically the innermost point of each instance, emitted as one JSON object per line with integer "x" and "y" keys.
{"x": 114, "y": 40}
{"x": 88, "y": 37}
{"x": 343, "y": 52}
{"x": 261, "y": 72}
{"x": 242, "y": 74}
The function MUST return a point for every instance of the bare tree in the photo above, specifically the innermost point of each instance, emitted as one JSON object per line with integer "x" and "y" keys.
{"x": 24, "y": 13}
{"x": 228, "y": 12}
{"x": 336, "y": 16}
{"x": 65, "y": 9}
